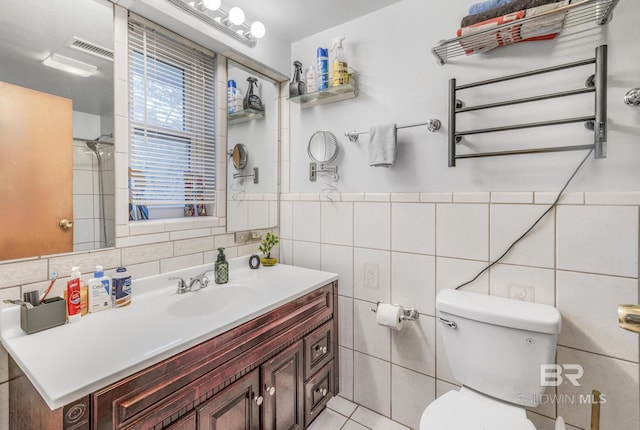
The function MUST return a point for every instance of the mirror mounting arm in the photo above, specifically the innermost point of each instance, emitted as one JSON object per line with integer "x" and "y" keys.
{"x": 255, "y": 175}
{"x": 314, "y": 170}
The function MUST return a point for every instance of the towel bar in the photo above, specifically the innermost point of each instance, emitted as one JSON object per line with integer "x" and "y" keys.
{"x": 433, "y": 125}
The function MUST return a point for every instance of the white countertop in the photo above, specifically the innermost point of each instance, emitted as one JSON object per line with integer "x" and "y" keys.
{"x": 67, "y": 362}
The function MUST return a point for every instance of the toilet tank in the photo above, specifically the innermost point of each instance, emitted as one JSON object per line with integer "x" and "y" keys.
{"x": 497, "y": 345}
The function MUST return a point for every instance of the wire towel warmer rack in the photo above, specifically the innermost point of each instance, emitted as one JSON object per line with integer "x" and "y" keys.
{"x": 596, "y": 83}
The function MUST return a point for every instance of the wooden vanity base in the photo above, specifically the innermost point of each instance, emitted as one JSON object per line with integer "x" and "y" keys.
{"x": 274, "y": 372}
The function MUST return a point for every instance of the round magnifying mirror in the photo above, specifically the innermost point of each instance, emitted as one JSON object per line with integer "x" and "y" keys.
{"x": 323, "y": 147}
{"x": 240, "y": 156}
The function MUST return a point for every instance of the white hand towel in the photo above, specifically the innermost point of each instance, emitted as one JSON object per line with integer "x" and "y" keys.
{"x": 382, "y": 145}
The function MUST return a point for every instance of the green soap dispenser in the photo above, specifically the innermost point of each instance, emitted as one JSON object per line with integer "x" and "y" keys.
{"x": 221, "y": 268}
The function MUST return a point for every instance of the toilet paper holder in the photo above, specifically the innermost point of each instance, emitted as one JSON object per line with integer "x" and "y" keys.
{"x": 407, "y": 314}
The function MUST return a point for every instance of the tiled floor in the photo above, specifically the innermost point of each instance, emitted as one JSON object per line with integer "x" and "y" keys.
{"x": 341, "y": 414}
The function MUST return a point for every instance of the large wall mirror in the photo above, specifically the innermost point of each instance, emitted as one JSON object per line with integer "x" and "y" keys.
{"x": 253, "y": 136}
{"x": 56, "y": 127}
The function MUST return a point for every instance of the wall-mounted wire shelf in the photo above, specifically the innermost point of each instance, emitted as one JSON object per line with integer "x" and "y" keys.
{"x": 597, "y": 84}
{"x": 579, "y": 15}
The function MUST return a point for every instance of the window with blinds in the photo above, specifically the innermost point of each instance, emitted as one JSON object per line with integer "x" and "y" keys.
{"x": 171, "y": 124}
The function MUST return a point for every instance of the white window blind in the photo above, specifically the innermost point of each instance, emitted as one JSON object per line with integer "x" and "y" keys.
{"x": 171, "y": 119}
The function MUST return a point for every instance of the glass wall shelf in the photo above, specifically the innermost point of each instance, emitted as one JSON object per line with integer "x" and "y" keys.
{"x": 330, "y": 95}
{"x": 245, "y": 115}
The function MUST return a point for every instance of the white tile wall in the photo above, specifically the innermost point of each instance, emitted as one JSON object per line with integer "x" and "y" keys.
{"x": 410, "y": 392}
{"x": 372, "y": 225}
{"x": 598, "y": 239}
{"x": 368, "y": 337}
{"x": 462, "y": 231}
{"x": 413, "y": 228}
{"x": 581, "y": 258}
{"x": 337, "y": 223}
{"x": 508, "y": 222}
{"x": 413, "y": 277}
{"x": 372, "y": 383}
{"x": 583, "y": 300}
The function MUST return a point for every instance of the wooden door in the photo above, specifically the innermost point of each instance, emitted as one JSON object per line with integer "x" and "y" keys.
{"x": 36, "y": 172}
{"x": 282, "y": 388}
{"x": 234, "y": 408}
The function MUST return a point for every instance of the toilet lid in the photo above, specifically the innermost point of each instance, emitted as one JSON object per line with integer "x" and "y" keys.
{"x": 472, "y": 411}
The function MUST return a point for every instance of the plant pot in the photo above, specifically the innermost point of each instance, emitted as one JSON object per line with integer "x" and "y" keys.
{"x": 269, "y": 261}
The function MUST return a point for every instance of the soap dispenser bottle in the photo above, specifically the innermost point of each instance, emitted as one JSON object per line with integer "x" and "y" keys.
{"x": 221, "y": 268}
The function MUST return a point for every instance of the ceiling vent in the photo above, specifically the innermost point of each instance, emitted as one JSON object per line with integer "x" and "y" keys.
{"x": 91, "y": 48}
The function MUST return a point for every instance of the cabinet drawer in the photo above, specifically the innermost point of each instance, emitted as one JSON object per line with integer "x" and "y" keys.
{"x": 318, "y": 348}
{"x": 317, "y": 392}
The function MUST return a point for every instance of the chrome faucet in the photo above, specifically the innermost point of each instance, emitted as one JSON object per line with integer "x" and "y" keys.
{"x": 200, "y": 279}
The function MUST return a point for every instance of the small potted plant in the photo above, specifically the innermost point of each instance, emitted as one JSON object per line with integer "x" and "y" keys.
{"x": 268, "y": 242}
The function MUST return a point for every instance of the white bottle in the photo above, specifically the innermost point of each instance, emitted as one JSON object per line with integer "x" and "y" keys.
{"x": 99, "y": 291}
{"x": 232, "y": 95}
{"x": 311, "y": 80}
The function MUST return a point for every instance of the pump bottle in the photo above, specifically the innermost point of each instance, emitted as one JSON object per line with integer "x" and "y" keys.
{"x": 221, "y": 268}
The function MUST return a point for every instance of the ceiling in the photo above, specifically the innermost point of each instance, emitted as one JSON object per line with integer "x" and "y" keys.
{"x": 293, "y": 20}
{"x": 30, "y": 30}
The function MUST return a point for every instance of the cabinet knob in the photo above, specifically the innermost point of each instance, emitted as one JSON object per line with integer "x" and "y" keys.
{"x": 321, "y": 350}
{"x": 323, "y": 391}
{"x": 270, "y": 390}
{"x": 258, "y": 400}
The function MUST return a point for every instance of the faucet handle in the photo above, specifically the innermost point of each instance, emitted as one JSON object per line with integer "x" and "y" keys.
{"x": 182, "y": 285}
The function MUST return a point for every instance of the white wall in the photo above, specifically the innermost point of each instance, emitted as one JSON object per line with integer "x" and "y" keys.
{"x": 423, "y": 226}
{"x": 401, "y": 82}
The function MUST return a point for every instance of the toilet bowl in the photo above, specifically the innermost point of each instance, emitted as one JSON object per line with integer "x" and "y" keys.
{"x": 495, "y": 347}
{"x": 468, "y": 410}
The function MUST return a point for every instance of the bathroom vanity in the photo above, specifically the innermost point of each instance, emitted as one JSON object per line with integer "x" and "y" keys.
{"x": 258, "y": 353}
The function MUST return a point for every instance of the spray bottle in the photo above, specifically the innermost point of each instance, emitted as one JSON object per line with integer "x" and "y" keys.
{"x": 339, "y": 71}
{"x": 251, "y": 100}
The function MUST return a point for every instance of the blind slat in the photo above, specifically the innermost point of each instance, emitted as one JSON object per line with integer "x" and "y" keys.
{"x": 172, "y": 120}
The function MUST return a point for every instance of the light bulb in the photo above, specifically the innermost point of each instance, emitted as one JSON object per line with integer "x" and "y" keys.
{"x": 211, "y": 4}
{"x": 258, "y": 30}
{"x": 236, "y": 15}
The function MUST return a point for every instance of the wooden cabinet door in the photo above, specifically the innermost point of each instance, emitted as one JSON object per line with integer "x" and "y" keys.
{"x": 234, "y": 408}
{"x": 186, "y": 423}
{"x": 282, "y": 388}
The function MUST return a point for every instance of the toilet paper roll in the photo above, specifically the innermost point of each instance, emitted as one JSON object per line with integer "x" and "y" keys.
{"x": 390, "y": 316}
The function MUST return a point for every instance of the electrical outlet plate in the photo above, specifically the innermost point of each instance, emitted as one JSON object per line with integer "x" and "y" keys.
{"x": 371, "y": 275}
{"x": 241, "y": 237}
{"x": 255, "y": 235}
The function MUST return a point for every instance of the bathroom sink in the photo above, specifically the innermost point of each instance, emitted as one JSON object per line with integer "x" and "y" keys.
{"x": 205, "y": 301}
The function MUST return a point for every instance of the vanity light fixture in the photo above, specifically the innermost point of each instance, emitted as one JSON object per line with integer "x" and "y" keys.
{"x": 69, "y": 65}
{"x": 230, "y": 20}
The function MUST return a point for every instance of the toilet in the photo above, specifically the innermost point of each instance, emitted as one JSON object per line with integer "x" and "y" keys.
{"x": 495, "y": 347}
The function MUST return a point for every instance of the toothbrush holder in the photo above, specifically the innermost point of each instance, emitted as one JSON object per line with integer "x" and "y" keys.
{"x": 50, "y": 313}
